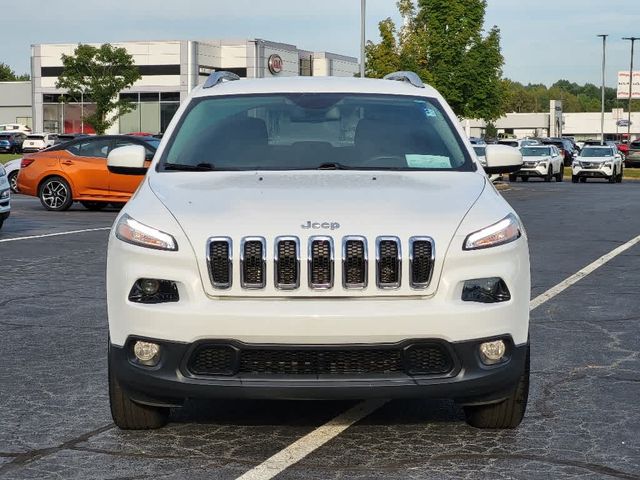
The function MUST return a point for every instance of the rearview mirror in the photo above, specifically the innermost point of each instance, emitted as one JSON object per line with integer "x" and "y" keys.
{"x": 127, "y": 160}
{"x": 502, "y": 159}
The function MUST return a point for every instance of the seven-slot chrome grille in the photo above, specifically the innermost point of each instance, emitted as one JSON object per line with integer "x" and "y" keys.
{"x": 322, "y": 253}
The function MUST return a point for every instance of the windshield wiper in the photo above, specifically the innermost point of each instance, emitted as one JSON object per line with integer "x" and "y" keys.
{"x": 333, "y": 166}
{"x": 200, "y": 167}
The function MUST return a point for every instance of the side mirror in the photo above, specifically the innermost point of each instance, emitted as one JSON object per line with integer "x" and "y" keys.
{"x": 502, "y": 159}
{"x": 127, "y": 160}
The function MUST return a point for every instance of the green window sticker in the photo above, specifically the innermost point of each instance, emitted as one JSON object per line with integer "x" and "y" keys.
{"x": 415, "y": 160}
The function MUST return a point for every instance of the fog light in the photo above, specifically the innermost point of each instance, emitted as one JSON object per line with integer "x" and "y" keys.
{"x": 149, "y": 286}
{"x": 151, "y": 290}
{"x": 492, "y": 352}
{"x": 147, "y": 353}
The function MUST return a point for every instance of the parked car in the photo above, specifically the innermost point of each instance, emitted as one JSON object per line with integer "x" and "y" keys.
{"x": 5, "y": 196}
{"x": 12, "y": 167}
{"x": 11, "y": 142}
{"x": 477, "y": 141}
{"x": 597, "y": 162}
{"x": 370, "y": 264}
{"x": 632, "y": 158}
{"x": 518, "y": 142}
{"x": 565, "y": 146}
{"x": 543, "y": 161}
{"x": 77, "y": 171}
{"x": 623, "y": 148}
{"x": 38, "y": 141}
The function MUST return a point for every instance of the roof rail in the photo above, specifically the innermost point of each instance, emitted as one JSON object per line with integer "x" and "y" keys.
{"x": 218, "y": 77}
{"x": 409, "y": 77}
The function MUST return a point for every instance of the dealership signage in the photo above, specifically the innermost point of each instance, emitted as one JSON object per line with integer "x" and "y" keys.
{"x": 623, "y": 85}
{"x": 275, "y": 64}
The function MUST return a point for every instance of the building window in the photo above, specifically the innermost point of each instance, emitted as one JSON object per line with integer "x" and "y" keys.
{"x": 152, "y": 111}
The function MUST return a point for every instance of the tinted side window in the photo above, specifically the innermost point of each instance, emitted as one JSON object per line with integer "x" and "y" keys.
{"x": 91, "y": 148}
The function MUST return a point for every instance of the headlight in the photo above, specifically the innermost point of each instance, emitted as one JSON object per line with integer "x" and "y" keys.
{"x": 4, "y": 194}
{"x": 3, "y": 172}
{"x": 608, "y": 165}
{"x": 505, "y": 231}
{"x": 131, "y": 231}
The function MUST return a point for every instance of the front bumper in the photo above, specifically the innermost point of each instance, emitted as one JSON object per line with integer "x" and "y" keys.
{"x": 170, "y": 382}
{"x": 602, "y": 172}
{"x": 537, "y": 171}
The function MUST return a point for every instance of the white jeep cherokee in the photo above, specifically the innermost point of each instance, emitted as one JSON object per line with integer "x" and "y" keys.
{"x": 317, "y": 238}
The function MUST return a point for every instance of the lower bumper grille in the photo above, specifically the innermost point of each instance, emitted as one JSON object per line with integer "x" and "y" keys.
{"x": 414, "y": 359}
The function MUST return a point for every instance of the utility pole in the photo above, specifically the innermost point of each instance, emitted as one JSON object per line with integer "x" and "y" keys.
{"x": 632, "y": 39}
{"x": 604, "y": 56}
{"x": 363, "y": 8}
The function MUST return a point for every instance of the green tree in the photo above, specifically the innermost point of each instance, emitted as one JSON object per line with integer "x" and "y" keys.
{"x": 443, "y": 42}
{"x": 8, "y": 75}
{"x": 99, "y": 73}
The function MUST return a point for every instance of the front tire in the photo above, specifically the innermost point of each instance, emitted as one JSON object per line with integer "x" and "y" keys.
{"x": 55, "y": 194}
{"x": 574, "y": 179}
{"x": 560, "y": 174}
{"x": 13, "y": 181}
{"x": 507, "y": 413}
{"x": 129, "y": 415}
{"x": 549, "y": 175}
{"x": 614, "y": 177}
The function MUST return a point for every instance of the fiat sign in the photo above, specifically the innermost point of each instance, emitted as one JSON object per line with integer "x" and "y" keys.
{"x": 275, "y": 64}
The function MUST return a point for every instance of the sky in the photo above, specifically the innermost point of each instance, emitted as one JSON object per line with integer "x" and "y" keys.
{"x": 542, "y": 41}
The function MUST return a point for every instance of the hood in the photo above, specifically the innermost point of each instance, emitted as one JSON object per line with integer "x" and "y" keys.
{"x": 328, "y": 203}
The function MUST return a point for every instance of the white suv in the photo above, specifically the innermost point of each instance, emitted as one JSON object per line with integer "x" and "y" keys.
{"x": 597, "y": 162}
{"x": 317, "y": 238}
{"x": 542, "y": 161}
{"x": 38, "y": 141}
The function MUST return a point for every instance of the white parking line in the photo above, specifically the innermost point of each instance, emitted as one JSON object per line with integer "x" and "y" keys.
{"x": 71, "y": 232}
{"x": 302, "y": 447}
{"x": 567, "y": 282}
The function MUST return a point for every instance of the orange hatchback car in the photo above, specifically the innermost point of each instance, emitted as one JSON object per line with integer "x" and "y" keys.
{"x": 77, "y": 171}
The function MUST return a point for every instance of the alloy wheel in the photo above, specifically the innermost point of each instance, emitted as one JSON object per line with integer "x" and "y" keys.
{"x": 54, "y": 194}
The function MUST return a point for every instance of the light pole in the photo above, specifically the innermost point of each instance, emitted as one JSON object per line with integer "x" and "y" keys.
{"x": 633, "y": 39}
{"x": 363, "y": 8}
{"x": 604, "y": 56}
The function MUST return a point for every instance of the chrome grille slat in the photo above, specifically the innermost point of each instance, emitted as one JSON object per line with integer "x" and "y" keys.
{"x": 320, "y": 263}
{"x": 287, "y": 263}
{"x": 253, "y": 262}
{"x": 388, "y": 262}
{"x": 354, "y": 262}
{"x": 219, "y": 261}
{"x": 421, "y": 258}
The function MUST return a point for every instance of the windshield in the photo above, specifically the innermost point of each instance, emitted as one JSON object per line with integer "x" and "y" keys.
{"x": 535, "y": 152}
{"x": 595, "y": 152}
{"x": 510, "y": 143}
{"x": 35, "y": 137}
{"x": 317, "y": 130}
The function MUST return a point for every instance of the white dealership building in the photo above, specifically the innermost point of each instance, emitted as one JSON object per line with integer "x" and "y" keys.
{"x": 170, "y": 70}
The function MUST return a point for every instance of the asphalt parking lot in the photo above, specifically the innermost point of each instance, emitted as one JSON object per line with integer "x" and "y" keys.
{"x": 583, "y": 419}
